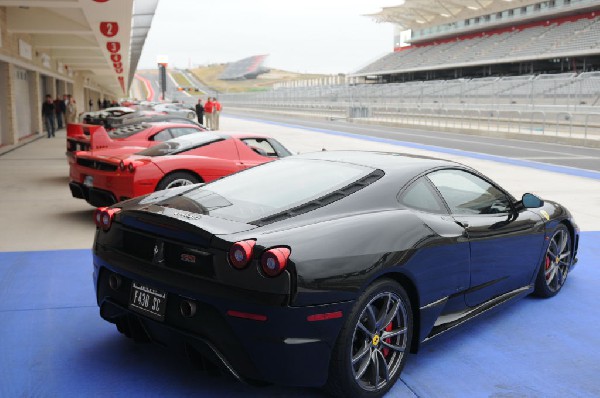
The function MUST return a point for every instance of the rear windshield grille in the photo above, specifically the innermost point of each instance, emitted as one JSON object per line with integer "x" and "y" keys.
{"x": 324, "y": 200}
{"x": 94, "y": 164}
{"x": 73, "y": 146}
{"x": 127, "y": 131}
{"x": 166, "y": 253}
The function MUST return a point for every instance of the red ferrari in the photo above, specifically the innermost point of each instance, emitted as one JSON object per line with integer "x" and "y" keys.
{"x": 84, "y": 137}
{"x": 107, "y": 176}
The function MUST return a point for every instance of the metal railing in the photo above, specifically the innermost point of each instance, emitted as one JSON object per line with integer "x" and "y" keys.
{"x": 562, "y": 106}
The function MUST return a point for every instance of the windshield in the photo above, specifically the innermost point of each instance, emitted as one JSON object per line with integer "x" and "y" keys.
{"x": 181, "y": 144}
{"x": 274, "y": 187}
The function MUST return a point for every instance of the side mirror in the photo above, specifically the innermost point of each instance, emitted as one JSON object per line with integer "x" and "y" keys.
{"x": 530, "y": 201}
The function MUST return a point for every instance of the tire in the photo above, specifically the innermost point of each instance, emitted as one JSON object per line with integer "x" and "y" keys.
{"x": 177, "y": 179}
{"x": 555, "y": 265}
{"x": 377, "y": 332}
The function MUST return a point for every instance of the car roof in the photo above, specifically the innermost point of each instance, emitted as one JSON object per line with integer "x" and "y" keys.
{"x": 169, "y": 123}
{"x": 202, "y": 136}
{"x": 239, "y": 134}
{"x": 128, "y": 130}
{"x": 389, "y": 162}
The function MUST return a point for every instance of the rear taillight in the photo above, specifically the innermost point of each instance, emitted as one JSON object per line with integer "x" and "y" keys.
{"x": 240, "y": 253}
{"x": 103, "y": 217}
{"x": 127, "y": 166}
{"x": 274, "y": 260}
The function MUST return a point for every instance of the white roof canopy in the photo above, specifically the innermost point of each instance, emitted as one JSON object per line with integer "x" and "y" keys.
{"x": 417, "y": 14}
{"x": 99, "y": 39}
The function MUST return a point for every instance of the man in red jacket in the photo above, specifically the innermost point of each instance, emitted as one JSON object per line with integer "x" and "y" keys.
{"x": 208, "y": 110}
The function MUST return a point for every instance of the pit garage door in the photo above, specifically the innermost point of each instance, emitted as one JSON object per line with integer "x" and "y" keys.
{"x": 23, "y": 102}
{"x": 4, "y": 138}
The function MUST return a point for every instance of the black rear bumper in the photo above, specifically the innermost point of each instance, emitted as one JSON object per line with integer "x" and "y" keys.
{"x": 285, "y": 349}
{"x": 94, "y": 196}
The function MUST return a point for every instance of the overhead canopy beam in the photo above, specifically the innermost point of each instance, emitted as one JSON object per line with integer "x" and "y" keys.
{"x": 101, "y": 39}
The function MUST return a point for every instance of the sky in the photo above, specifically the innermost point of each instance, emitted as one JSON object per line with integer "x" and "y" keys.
{"x": 307, "y": 36}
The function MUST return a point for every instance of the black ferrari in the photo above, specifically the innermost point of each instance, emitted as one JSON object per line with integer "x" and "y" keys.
{"x": 324, "y": 269}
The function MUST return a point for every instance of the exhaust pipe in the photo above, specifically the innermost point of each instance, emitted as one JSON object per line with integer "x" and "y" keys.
{"x": 187, "y": 308}
{"x": 114, "y": 281}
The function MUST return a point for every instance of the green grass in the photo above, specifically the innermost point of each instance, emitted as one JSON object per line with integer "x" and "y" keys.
{"x": 183, "y": 81}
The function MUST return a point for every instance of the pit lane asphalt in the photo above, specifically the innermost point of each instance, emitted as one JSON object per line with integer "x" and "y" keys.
{"x": 542, "y": 152}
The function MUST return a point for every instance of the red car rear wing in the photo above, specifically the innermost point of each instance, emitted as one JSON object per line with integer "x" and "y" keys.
{"x": 96, "y": 135}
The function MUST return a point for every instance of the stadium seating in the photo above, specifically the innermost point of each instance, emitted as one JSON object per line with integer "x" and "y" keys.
{"x": 548, "y": 41}
{"x": 562, "y": 88}
{"x": 247, "y": 68}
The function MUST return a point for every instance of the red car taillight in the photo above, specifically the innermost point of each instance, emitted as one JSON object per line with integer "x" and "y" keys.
{"x": 103, "y": 217}
{"x": 274, "y": 260}
{"x": 127, "y": 166}
{"x": 240, "y": 253}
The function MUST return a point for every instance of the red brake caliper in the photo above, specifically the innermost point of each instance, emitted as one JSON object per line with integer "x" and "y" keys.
{"x": 386, "y": 350}
{"x": 547, "y": 265}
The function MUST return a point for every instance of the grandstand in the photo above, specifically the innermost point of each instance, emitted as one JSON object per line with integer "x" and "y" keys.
{"x": 489, "y": 38}
{"x": 530, "y": 68}
{"x": 247, "y": 68}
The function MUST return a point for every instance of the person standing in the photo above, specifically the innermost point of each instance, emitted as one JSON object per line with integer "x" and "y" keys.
{"x": 65, "y": 101}
{"x": 71, "y": 110}
{"x": 91, "y": 104}
{"x": 59, "y": 112}
{"x": 216, "y": 113}
{"x": 208, "y": 109}
{"x": 200, "y": 111}
{"x": 48, "y": 111}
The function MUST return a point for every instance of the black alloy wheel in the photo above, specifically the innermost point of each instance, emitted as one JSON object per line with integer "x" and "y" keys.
{"x": 373, "y": 344}
{"x": 555, "y": 264}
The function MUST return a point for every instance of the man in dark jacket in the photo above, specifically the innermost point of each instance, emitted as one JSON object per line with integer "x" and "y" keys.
{"x": 200, "y": 111}
{"x": 48, "y": 110}
{"x": 59, "y": 111}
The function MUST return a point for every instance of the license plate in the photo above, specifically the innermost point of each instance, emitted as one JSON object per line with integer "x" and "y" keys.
{"x": 148, "y": 301}
{"x": 88, "y": 181}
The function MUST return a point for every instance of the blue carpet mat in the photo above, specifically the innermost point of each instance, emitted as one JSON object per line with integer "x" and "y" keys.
{"x": 54, "y": 343}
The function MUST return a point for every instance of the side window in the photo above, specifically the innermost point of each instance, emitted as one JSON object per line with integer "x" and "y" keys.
{"x": 162, "y": 136}
{"x": 420, "y": 195}
{"x": 179, "y": 131}
{"x": 466, "y": 193}
{"x": 260, "y": 146}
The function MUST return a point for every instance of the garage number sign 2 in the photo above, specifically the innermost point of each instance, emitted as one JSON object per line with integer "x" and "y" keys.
{"x": 109, "y": 29}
